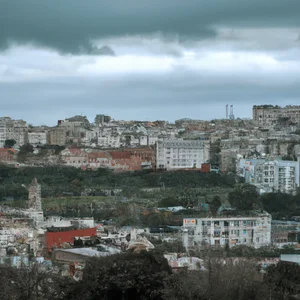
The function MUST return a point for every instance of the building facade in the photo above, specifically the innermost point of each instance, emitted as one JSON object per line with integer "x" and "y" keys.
{"x": 252, "y": 231}
{"x": 181, "y": 154}
{"x": 109, "y": 141}
{"x": 57, "y": 136}
{"x": 271, "y": 175}
{"x": 13, "y": 130}
{"x": 268, "y": 115}
{"x": 35, "y": 211}
{"x": 37, "y": 138}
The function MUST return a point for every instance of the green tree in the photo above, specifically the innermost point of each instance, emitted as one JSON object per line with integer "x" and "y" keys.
{"x": 215, "y": 204}
{"x": 122, "y": 276}
{"x": 238, "y": 280}
{"x": 283, "y": 280}
{"x": 244, "y": 197}
{"x": 167, "y": 202}
{"x": 278, "y": 202}
{"x": 9, "y": 143}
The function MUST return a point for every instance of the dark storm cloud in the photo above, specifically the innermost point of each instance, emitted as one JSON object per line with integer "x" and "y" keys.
{"x": 69, "y": 26}
{"x": 139, "y": 98}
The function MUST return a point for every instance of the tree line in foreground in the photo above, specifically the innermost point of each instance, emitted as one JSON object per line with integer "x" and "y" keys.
{"x": 147, "y": 275}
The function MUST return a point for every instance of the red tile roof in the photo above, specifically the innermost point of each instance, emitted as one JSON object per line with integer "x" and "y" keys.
{"x": 119, "y": 154}
{"x": 98, "y": 155}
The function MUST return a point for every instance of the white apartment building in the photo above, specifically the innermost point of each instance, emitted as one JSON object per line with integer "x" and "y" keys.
{"x": 37, "y": 138}
{"x": 109, "y": 141}
{"x": 271, "y": 176}
{"x": 2, "y": 132}
{"x": 13, "y": 130}
{"x": 152, "y": 140}
{"x": 179, "y": 153}
{"x": 254, "y": 231}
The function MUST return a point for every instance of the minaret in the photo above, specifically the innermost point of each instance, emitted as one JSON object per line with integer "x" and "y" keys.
{"x": 34, "y": 197}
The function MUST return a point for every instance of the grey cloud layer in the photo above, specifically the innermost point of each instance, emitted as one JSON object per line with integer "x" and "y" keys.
{"x": 69, "y": 26}
{"x": 174, "y": 58}
{"x": 140, "y": 98}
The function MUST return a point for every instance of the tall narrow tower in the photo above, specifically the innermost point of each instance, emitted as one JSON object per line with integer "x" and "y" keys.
{"x": 231, "y": 116}
{"x": 34, "y": 197}
{"x": 226, "y": 111}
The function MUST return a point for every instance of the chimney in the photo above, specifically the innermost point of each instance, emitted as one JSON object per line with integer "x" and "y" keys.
{"x": 226, "y": 111}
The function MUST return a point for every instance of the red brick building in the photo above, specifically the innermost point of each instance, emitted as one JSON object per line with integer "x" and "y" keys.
{"x": 56, "y": 239}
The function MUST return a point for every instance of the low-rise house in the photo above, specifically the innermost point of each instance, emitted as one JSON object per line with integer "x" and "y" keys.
{"x": 99, "y": 160}
{"x": 75, "y": 157}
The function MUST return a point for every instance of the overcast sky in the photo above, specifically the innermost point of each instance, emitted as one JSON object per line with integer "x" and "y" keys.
{"x": 149, "y": 60}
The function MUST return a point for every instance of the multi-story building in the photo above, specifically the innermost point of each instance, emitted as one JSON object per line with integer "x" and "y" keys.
{"x": 57, "y": 136}
{"x": 268, "y": 115}
{"x": 37, "y": 138}
{"x": 13, "y": 130}
{"x": 100, "y": 119}
{"x": 271, "y": 175}
{"x": 231, "y": 231}
{"x": 179, "y": 154}
{"x": 109, "y": 141}
{"x": 2, "y": 131}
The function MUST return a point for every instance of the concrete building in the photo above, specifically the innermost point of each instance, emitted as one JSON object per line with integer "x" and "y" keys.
{"x": 99, "y": 160}
{"x": 37, "y": 138}
{"x": 109, "y": 141}
{"x": 252, "y": 231}
{"x": 57, "y": 136}
{"x": 101, "y": 119}
{"x": 268, "y": 115}
{"x": 271, "y": 175}
{"x": 13, "y": 130}
{"x": 35, "y": 211}
{"x": 75, "y": 128}
{"x": 75, "y": 157}
{"x": 2, "y": 132}
{"x": 180, "y": 154}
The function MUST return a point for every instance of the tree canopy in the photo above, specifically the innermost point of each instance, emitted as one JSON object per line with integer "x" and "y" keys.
{"x": 123, "y": 276}
{"x": 244, "y": 197}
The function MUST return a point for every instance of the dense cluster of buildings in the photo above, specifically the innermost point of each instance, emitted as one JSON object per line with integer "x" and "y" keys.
{"x": 268, "y": 115}
{"x": 27, "y": 236}
{"x": 271, "y": 175}
{"x": 270, "y": 141}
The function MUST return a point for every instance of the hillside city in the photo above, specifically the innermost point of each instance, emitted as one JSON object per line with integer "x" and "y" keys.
{"x": 214, "y": 199}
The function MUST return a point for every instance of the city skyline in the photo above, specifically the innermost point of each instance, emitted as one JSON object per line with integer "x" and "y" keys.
{"x": 143, "y": 61}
